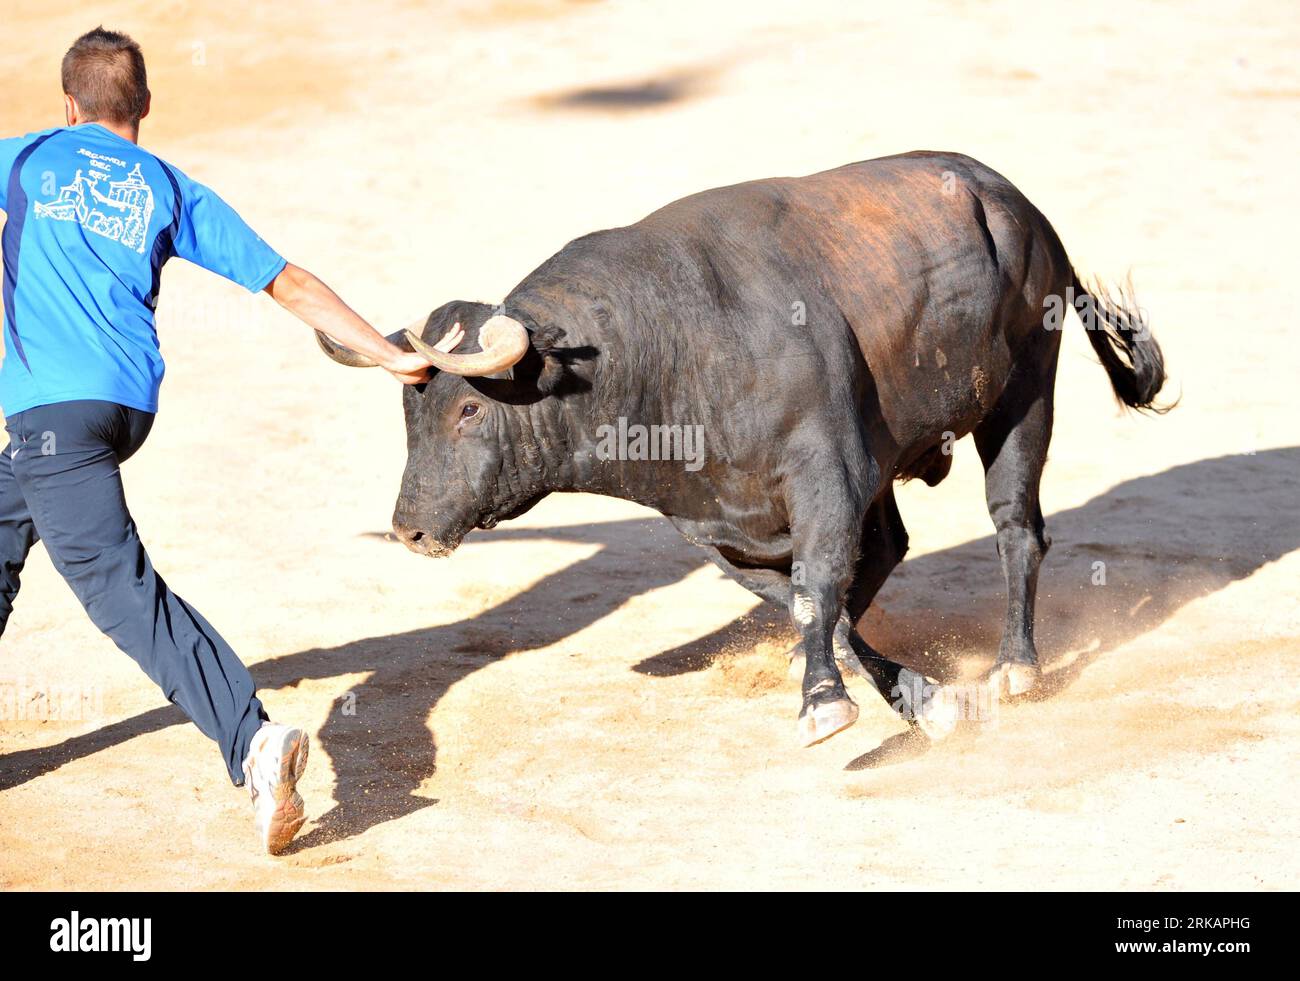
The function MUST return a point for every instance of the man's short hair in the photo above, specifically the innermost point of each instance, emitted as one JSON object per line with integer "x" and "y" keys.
{"x": 104, "y": 72}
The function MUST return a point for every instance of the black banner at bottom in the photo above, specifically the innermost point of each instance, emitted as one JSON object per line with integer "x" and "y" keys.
{"x": 962, "y": 930}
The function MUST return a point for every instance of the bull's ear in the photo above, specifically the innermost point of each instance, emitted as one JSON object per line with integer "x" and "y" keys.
{"x": 546, "y": 342}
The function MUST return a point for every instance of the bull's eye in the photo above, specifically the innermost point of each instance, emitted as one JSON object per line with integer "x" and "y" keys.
{"x": 469, "y": 410}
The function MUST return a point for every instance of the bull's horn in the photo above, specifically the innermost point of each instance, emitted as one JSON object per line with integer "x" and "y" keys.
{"x": 350, "y": 358}
{"x": 503, "y": 340}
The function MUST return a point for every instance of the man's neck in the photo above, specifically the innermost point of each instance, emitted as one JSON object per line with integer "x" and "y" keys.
{"x": 129, "y": 133}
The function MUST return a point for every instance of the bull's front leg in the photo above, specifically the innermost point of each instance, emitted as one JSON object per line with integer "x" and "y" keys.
{"x": 824, "y": 531}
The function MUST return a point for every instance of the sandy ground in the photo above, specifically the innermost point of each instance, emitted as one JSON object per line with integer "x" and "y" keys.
{"x": 576, "y": 699}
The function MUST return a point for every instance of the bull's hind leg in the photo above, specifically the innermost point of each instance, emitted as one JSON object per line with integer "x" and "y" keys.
{"x": 1012, "y": 443}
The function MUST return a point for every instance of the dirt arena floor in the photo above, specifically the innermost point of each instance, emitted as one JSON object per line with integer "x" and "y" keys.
{"x": 576, "y": 699}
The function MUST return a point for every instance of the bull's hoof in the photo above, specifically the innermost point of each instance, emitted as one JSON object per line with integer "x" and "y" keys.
{"x": 821, "y": 720}
{"x": 930, "y": 706}
{"x": 1007, "y": 679}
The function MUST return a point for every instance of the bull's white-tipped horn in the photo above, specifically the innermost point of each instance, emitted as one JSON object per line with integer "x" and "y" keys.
{"x": 340, "y": 354}
{"x": 503, "y": 340}
{"x": 350, "y": 358}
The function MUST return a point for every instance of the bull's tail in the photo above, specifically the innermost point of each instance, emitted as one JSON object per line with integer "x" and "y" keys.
{"x": 1128, "y": 350}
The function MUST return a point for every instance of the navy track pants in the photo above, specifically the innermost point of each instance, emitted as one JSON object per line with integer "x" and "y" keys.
{"x": 60, "y": 484}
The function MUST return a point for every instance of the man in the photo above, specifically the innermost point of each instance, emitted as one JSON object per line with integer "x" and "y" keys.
{"x": 91, "y": 219}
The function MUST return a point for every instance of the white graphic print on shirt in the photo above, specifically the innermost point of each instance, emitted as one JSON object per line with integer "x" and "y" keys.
{"x": 122, "y": 214}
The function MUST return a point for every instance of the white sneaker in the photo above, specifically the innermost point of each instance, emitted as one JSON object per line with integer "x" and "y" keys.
{"x": 276, "y": 759}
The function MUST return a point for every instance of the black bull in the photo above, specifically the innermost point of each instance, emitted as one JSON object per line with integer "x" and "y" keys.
{"x": 827, "y": 335}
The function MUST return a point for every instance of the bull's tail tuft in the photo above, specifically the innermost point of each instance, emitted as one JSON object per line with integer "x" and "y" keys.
{"x": 1119, "y": 334}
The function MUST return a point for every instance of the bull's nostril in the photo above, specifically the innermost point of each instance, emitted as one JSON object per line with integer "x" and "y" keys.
{"x": 413, "y": 538}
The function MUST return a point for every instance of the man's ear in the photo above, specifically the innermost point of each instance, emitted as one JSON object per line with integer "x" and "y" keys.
{"x": 70, "y": 111}
{"x": 545, "y": 341}
{"x": 148, "y": 104}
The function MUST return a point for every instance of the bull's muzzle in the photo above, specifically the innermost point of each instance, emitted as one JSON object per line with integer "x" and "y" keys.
{"x": 421, "y": 542}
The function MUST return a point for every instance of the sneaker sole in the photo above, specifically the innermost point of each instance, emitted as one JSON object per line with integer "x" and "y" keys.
{"x": 289, "y": 814}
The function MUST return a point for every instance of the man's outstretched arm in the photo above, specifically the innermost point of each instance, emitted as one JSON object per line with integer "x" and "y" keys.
{"x": 311, "y": 301}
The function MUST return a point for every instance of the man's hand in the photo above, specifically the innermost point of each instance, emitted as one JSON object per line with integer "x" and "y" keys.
{"x": 410, "y": 368}
{"x": 311, "y": 301}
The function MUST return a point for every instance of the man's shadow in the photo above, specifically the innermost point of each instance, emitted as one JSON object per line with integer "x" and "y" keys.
{"x": 1238, "y": 510}
{"x": 380, "y": 743}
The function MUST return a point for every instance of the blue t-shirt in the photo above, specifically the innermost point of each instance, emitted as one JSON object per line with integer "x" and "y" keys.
{"x": 91, "y": 219}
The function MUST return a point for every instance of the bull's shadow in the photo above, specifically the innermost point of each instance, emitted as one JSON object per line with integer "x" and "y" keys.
{"x": 1120, "y": 565}
{"x": 1139, "y": 529}
{"x": 378, "y": 765}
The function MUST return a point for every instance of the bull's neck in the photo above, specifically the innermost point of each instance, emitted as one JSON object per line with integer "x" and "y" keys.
{"x": 632, "y": 451}
{"x": 616, "y": 431}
